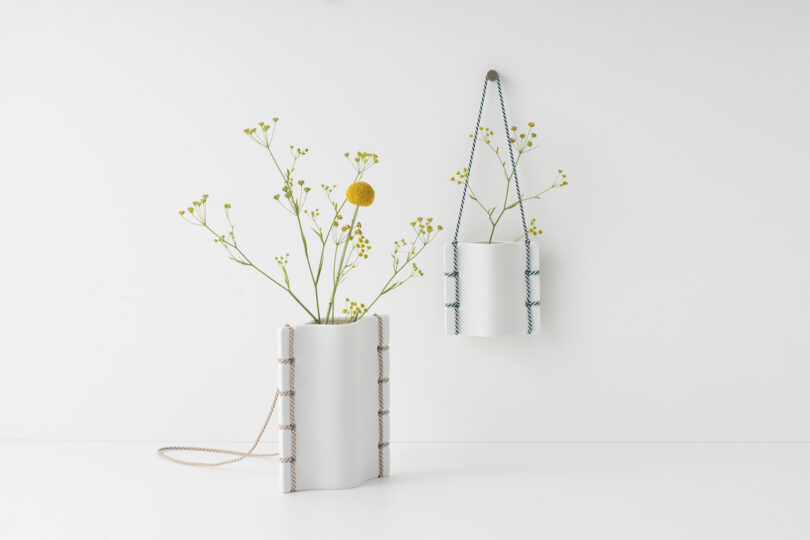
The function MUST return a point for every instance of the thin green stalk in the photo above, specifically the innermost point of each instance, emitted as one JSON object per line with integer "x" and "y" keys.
{"x": 339, "y": 268}
{"x": 309, "y": 264}
{"x": 510, "y": 206}
{"x": 262, "y": 272}
{"x": 385, "y": 289}
{"x": 297, "y": 212}
{"x": 508, "y": 176}
{"x": 325, "y": 238}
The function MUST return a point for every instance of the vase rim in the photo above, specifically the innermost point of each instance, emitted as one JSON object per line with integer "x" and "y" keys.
{"x": 495, "y": 243}
{"x": 338, "y": 325}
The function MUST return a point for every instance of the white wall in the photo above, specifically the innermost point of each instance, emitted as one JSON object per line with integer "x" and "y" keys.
{"x": 676, "y": 294}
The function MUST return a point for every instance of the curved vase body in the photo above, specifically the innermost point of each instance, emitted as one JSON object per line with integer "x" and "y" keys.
{"x": 337, "y": 432}
{"x": 492, "y": 288}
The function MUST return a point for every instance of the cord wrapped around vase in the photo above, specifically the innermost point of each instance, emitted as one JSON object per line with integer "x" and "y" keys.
{"x": 334, "y": 399}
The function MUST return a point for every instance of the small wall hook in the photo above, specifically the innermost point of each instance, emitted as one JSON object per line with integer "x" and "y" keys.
{"x": 492, "y": 75}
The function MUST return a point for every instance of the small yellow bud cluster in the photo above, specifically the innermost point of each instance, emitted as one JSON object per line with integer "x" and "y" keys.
{"x": 362, "y": 244}
{"x": 282, "y": 260}
{"x": 424, "y": 227}
{"x": 362, "y": 161}
{"x": 524, "y": 139}
{"x": 197, "y": 211}
{"x": 353, "y": 310}
{"x": 460, "y": 177}
{"x": 398, "y": 245}
{"x": 366, "y": 157}
{"x": 263, "y": 126}
{"x": 486, "y": 133}
{"x": 533, "y": 230}
{"x": 561, "y": 179}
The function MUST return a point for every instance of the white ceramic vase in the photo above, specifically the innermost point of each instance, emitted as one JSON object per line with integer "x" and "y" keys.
{"x": 341, "y": 394}
{"x": 492, "y": 289}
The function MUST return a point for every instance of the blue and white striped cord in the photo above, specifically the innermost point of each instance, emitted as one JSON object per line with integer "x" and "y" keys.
{"x": 529, "y": 303}
{"x": 529, "y": 272}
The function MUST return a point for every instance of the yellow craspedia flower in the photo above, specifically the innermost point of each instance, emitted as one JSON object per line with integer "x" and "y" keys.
{"x": 360, "y": 193}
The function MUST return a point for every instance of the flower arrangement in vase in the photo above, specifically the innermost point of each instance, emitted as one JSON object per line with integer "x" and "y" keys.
{"x": 333, "y": 370}
{"x": 500, "y": 282}
{"x": 337, "y": 242}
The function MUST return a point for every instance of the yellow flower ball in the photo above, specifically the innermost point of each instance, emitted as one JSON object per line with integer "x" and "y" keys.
{"x": 360, "y": 193}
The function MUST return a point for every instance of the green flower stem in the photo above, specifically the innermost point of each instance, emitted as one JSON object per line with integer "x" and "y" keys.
{"x": 535, "y": 196}
{"x": 297, "y": 211}
{"x": 248, "y": 262}
{"x": 339, "y": 268}
{"x": 474, "y": 197}
{"x": 325, "y": 239}
{"x": 514, "y": 204}
{"x": 509, "y": 176}
{"x": 388, "y": 287}
{"x": 309, "y": 264}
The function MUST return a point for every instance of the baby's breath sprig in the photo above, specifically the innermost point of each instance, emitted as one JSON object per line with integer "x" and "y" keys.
{"x": 197, "y": 214}
{"x": 404, "y": 253}
{"x": 349, "y": 246}
{"x": 523, "y": 141}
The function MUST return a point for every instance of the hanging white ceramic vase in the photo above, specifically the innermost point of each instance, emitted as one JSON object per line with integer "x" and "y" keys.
{"x": 492, "y": 288}
{"x": 333, "y": 385}
{"x": 496, "y": 294}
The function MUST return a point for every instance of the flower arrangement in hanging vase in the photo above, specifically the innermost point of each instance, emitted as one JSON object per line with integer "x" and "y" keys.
{"x": 492, "y": 287}
{"x": 333, "y": 368}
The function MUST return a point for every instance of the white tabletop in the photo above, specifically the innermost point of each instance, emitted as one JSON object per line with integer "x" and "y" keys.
{"x": 120, "y": 490}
